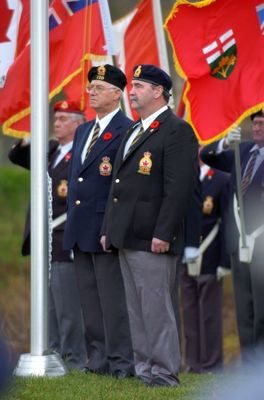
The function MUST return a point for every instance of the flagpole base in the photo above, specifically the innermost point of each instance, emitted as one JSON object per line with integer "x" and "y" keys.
{"x": 47, "y": 365}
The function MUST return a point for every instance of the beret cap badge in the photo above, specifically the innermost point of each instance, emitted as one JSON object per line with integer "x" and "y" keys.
{"x": 101, "y": 70}
{"x": 64, "y": 105}
{"x": 138, "y": 71}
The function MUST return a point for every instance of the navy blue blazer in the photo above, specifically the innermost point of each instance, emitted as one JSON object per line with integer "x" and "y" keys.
{"x": 254, "y": 197}
{"x": 89, "y": 183}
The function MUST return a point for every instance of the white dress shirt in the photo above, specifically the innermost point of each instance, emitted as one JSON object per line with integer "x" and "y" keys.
{"x": 103, "y": 122}
{"x": 146, "y": 123}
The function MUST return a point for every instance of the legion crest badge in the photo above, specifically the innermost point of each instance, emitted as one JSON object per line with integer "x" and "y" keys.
{"x": 105, "y": 168}
{"x": 208, "y": 205}
{"x": 101, "y": 72}
{"x": 221, "y": 55}
{"x": 145, "y": 164}
{"x": 62, "y": 188}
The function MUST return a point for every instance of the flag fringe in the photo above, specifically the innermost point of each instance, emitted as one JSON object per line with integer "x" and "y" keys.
{"x": 6, "y": 127}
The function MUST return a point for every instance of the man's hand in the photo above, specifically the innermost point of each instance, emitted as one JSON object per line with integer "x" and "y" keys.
{"x": 233, "y": 136}
{"x": 221, "y": 272}
{"x": 103, "y": 244}
{"x": 159, "y": 246}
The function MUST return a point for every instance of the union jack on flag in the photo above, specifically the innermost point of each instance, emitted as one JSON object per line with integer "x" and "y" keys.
{"x": 260, "y": 13}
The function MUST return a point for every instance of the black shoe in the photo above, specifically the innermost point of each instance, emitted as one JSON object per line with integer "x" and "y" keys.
{"x": 145, "y": 380}
{"x": 158, "y": 381}
{"x": 122, "y": 374}
{"x": 88, "y": 370}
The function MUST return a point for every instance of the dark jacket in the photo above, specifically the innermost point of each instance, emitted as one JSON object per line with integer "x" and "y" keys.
{"x": 152, "y": 187}
{"x": 254, "y": 197}
{"x": 89, "y": 183}
{"x": 20, "y": 155}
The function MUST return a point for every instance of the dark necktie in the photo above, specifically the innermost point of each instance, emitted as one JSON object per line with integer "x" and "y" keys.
{"x": 53, "y": 164}
{"x": 137, "y": 137}
{"x": 94, "y": 139}
{"x": 248, "y": 173}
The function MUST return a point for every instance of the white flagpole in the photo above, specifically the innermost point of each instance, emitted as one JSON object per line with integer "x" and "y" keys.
{"x": 39, "y": 362}
{"x": 161, "y": 42}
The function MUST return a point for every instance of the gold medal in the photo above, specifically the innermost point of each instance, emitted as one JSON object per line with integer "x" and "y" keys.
{"x": 62, "y": 189}
{"x": 145, "y": 164}
{"x": 208, "y": 205}
{"x": 105, "y": 167}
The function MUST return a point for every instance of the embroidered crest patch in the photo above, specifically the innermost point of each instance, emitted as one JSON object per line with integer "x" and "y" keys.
{"x": 105, "y": 167}
{"x": 145, "y": 164}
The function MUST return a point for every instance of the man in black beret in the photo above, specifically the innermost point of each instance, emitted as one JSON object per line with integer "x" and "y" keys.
{"x": 246, "y": 262}
{"x": 108, "y": 341}
{"x": 153, "y": 181}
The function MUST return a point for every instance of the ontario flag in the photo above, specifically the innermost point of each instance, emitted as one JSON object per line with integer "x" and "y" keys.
{"x": 219, "y": 50}
{"x": 76, "y": 37}
{"x": 136, "y": 38}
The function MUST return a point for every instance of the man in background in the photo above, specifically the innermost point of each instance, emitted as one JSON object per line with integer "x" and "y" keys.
{"x": 246, "y": 263}
{"x": 66, "y": 334}
{"x": 201, "y": 283}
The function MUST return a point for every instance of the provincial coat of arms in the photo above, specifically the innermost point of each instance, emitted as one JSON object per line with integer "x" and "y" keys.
{"x": 221, "y": 55}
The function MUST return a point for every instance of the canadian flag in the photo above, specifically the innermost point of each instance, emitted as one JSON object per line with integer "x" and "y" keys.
{"x": 14, "y": 33}
{"x": 139, "y": 39}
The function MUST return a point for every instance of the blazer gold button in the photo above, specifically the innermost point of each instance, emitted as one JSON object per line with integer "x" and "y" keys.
{"x": 80, "y": 179}
{"x": 77, "y": 202}
{"x": 115, "y": 199}
{"x": 117, "y": 180}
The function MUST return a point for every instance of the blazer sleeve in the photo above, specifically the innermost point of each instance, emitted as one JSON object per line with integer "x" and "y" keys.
{"x": 20, "y": 155}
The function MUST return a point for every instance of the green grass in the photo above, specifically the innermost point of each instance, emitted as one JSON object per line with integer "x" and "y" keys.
{"x": 79, "y": 386}
{"x": 14, "y": 197}
{"x": 14, "y": 269}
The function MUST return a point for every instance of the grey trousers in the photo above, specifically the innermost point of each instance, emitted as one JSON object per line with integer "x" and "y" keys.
{"x": 149, "y": 279}
{"x": 66, "y": 331}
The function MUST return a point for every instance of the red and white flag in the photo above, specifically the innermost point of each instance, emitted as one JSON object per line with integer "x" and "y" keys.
{"x": 14, "y": 33}
{"x": 219, "y": 50}
{"x": 79, "y": 31}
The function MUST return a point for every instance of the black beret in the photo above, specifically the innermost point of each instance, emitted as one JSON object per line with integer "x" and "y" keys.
{"x": 259, "y": 113}
{"x": 108, "y": 73}
{"x": 152, "y": 74}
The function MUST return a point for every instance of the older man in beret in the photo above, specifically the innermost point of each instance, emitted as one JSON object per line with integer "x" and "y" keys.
{"x": 247, "y": 267}
{"x": 66, "y": 333}
{"x": 99, "y": 277}
{"x": 153, "y": 181}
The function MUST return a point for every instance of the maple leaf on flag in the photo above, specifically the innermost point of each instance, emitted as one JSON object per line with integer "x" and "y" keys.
{"x": 6, "y": 16}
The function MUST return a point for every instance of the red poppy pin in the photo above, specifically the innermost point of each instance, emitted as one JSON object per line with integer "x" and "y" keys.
{"x": 210, "y": 173}
{"x": 107, "y": 136}
{"x": 154, "y": 124}
{"x": 68, "y": 157}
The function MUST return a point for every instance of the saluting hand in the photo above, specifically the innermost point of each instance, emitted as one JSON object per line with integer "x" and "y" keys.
{"x": 159, "y": 246}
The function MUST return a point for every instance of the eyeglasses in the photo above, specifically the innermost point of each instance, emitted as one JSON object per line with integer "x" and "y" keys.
{"x": 97, "y": 88}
